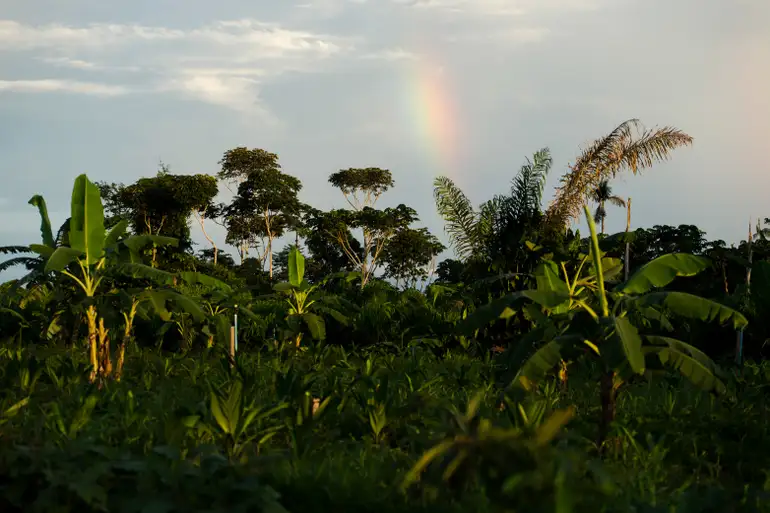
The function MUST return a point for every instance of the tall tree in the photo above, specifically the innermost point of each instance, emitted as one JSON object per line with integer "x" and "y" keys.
{"x": 601, "y": 195}
{"x": 628, "y": 147}
{"x": 362, "y": 187}
{"x": 266, "y": 204}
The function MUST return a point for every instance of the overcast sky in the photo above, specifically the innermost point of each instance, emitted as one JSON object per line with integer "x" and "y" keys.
{"x": 464, "y": 88}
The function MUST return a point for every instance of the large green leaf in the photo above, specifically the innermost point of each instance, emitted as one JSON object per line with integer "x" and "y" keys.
{"x": 284, "y": 286}
{"x": 181, "y": 301}
{"x": 115, "y": 232}
{"x": 144, "y": 272}
{"x": 611, "y": 267}
{"x": 693, "y": 307}
{"x": 685, "y": 348}
{"x": 61, "y": 258}
{"x": 137, "y": 243}
{"x": 542, "y": 362}
{"x": 296, "y": 267}
{"x": 692, "y": 369}
{"x": 502, "y": 308}
{"x": 334, "y": 313}
{"x": 315, "y": 324}
{"x": 45, "y": 223}
{"x": 662, "y": 271}
{"x": 193, "y": 278}
{"x": 43, "y": 251}
{"x": 547, "y": 277}
{"x": 630, "y": 343}
{"x": 87, "y": 232}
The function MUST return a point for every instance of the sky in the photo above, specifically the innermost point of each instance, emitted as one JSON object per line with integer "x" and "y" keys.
{"x": 462, "y": 88}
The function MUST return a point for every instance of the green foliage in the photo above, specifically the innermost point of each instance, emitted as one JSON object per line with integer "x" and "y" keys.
{"x": 345, "y": 397}
{"x": 371, "y": 181}
{"x": 409, "y": 253}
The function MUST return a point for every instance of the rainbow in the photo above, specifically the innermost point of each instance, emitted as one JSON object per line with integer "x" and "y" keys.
{"x": 432, "y": 108}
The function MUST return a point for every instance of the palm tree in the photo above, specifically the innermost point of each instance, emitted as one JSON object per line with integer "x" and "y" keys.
{"x": 628, "y": 147}
{"x": 601, "y": 195}
{"x": 470, "y": 230}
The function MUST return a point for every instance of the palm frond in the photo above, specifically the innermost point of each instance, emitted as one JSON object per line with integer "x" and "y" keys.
{"x": 13, "y": 262}
{"x": 605, "y": 158}
{"x": 528, "y": 185}
{"x": 489, "y": 215}
{"x": 617, "y": 201}
{"x": 600, "y": 213}
{"x": 458, "y": 214}
{"x": 14, "y": 250}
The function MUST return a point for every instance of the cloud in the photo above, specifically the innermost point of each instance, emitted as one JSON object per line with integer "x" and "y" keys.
{"x": 395, "y": 54}
{"x": 217, "y": 63}
{"x": 516, "y": 8}
{"x": 258, "y": 39}
{"x": 65, "y": 86}
{"x": 80, "y": 64}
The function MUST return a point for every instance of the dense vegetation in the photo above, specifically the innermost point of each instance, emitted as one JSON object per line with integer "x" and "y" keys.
{"x": 539, "y": 371}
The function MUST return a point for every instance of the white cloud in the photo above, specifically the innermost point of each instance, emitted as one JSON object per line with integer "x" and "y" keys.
{"x": 502, "y": 7}
{"x": 216, "y": 63}
{"x": 260, "y": 40}
{"x": 65, "y": 86}
{"x": 80, "y": 64}
{"x": 18, "y": 36}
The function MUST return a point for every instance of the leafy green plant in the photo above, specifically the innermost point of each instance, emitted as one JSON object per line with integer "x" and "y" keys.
{"x": 612, "y": 335}
{"x": 305, "y": 302}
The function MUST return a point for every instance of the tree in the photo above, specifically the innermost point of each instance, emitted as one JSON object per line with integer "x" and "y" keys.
{"x": 328, "y": 256}
{"x": 410, "y": 255}
{"x": 266, "y": 204}
{"x": 499, "y": 222}
{"x": 601, "y": 195}
{"x": 362, "y": 188}
{"x": 628, "y": 147}
{"x": 369, "y": 182}
{"x": 161, "y": 205}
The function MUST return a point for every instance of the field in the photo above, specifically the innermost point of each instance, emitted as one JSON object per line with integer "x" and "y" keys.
{"x": 157, "y": 441}
{"x": 539, "y": 371}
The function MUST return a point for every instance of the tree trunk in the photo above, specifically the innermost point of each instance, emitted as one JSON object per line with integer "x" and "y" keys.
{"x": 92, "y": 342}
{"x": 608, "y": 395}
{"x": 202, "y": 221}
{"x": 104, "y": 349}
{"x": 627, "y": 260}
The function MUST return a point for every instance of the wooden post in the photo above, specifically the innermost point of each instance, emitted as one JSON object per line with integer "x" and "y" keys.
{"x": 627, "y": 260}
{"x": 232, "y": 345}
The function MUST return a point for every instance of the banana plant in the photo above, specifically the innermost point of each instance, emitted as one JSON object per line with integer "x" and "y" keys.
{"x": 92, "y": 249}
{"x": 615, "y": 326}
{"x": 304, "y": 300}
